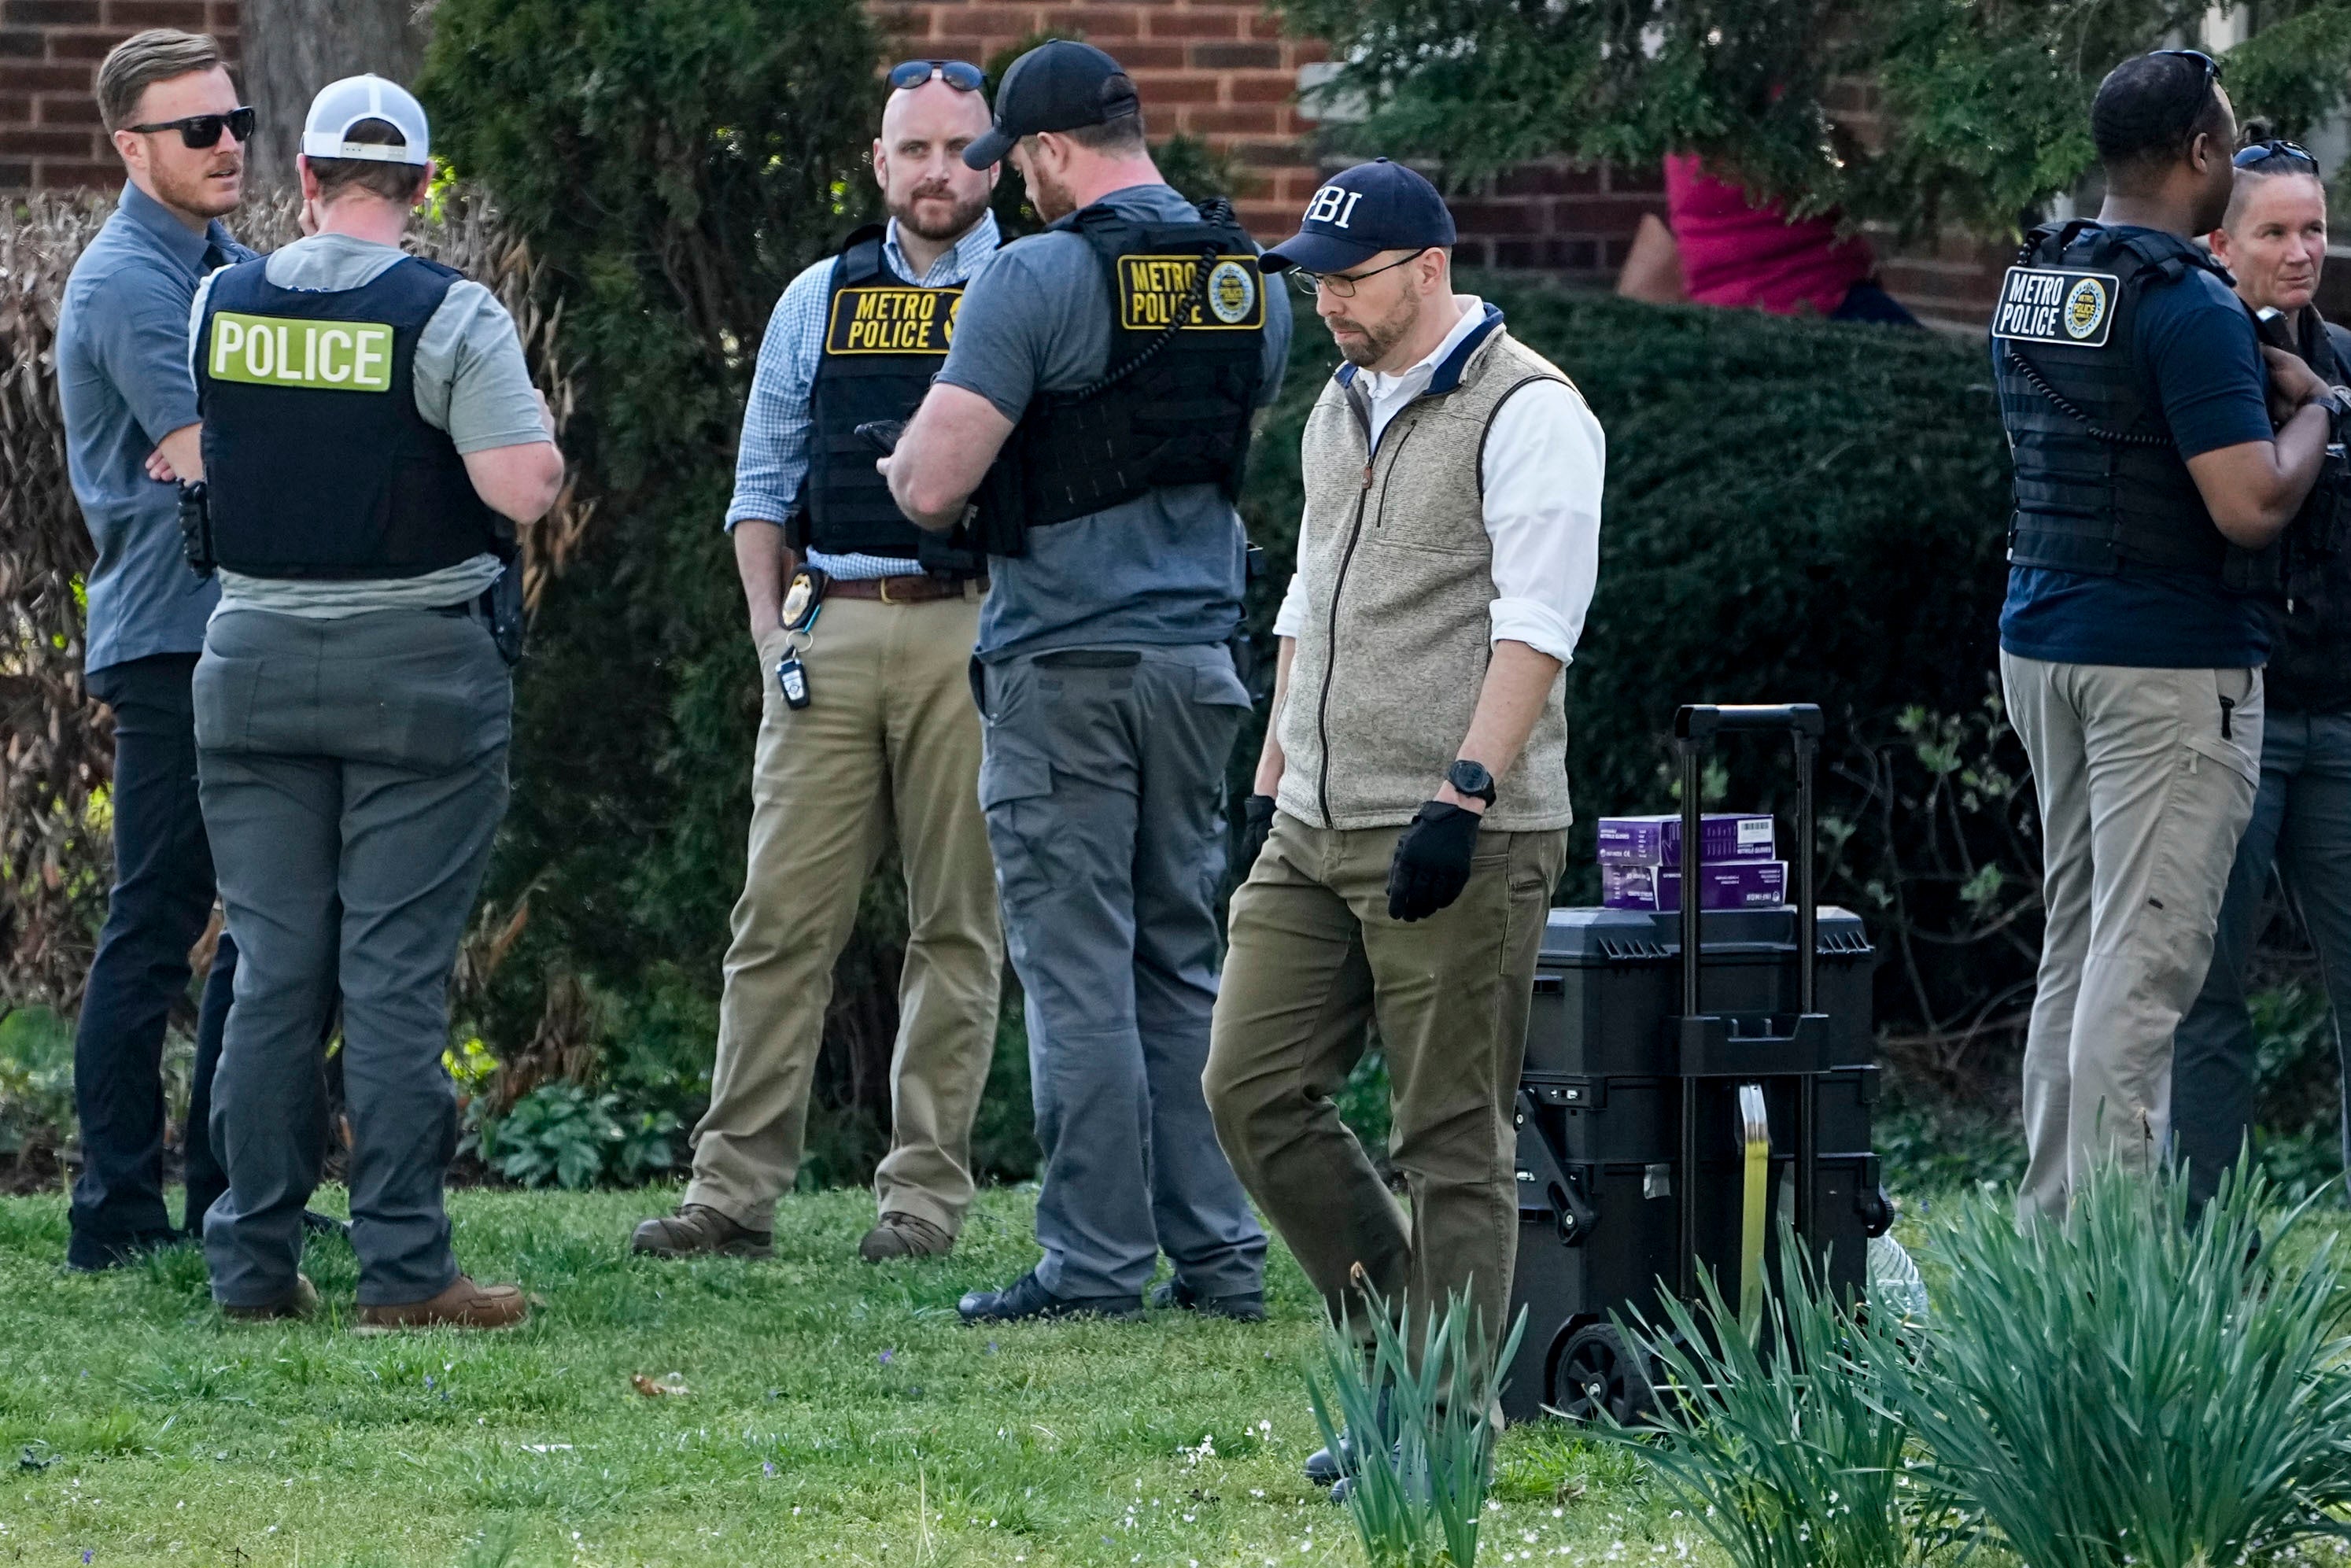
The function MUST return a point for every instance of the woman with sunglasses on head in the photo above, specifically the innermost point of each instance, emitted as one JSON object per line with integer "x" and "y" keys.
{"x": 2273, "y": 240}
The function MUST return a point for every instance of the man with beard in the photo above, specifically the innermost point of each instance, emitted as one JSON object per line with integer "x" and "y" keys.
{"x": 130, "y": 402}
{"x": 2275, "y": 240}
{"x": 867, "y": 735}
{"x": 1412, "y": 807}
{"x": 1114, "y": 361}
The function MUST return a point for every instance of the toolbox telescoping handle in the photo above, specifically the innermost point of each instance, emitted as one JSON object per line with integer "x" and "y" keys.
{"x": 1695, "y": 725}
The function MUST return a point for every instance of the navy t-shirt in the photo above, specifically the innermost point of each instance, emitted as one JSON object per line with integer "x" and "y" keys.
{"x": 2212, "y": 391}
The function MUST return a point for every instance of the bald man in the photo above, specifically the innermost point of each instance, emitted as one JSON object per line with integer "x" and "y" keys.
{"x": 868, "y": 735}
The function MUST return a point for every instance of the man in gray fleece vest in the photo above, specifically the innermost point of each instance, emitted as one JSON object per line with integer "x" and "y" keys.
{"x": 1413, "y": 806}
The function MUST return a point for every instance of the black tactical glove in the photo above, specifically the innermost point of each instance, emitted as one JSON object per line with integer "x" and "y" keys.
{"x": 1257, "y": 823}
{"x": 1432, "y": 860}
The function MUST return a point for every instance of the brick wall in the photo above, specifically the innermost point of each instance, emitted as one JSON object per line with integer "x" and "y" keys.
{"x": 1220, "y": 69}
{"x": 50, "y": 49}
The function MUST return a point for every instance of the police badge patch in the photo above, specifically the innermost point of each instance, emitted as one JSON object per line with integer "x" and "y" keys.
{"x": 1151, "y": 289}
{"x": 892, "y": 319}
{"x": 2058, "y": 306}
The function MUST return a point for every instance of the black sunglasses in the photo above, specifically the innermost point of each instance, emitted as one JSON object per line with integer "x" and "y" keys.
{"x": 202, "y": 131}
{"x": 2260, "y": 152}
{"x": 2212, "y": 67}
{"x": 960, "y": 75}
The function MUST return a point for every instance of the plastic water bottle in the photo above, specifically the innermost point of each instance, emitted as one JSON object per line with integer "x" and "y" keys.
{"x": 1894, "y": 1278}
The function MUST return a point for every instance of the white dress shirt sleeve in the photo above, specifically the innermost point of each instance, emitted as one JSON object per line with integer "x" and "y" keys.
{"x": 1290, "y": 621}
{"x": 1545, "y": 460}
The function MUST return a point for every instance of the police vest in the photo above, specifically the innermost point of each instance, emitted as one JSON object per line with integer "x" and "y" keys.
{"x": 884, "y": 338}
{"x": 318, "y": 462}
{"x": 1172, "y": 403}
{"x": 2101, "y": 487}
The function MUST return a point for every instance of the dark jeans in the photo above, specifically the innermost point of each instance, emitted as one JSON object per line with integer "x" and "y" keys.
{"x": 1868, "y": 301}
{"x": 163, "y": 896}
{"x": 2301, "y": 825}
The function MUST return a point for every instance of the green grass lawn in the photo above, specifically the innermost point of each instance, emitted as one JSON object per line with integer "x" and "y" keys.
{"x": 837, "y": 1413}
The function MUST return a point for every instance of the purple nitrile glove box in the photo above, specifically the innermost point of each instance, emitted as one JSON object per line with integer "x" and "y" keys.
{"x": 1728, "y": 885}
{"x": 1657, "y": 841}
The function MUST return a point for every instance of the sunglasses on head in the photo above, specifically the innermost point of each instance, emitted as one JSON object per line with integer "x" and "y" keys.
{"x": 2260, "y": 152}
{"x": 2212, "y": 67}
{"x": 960, "y": 75}
{"x": 202, "y": 131}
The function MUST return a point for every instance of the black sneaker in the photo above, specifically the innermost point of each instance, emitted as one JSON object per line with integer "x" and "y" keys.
{"x": 1242, "y": 1306}
{"x": 88, "y": 1254}
{"x": 1025, "y": 1300}
{"x": 1344, "y": 1484}
{"x": 1324, "y": 1468}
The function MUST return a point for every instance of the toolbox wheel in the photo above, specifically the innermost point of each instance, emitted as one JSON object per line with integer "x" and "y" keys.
{"x": 1598, "y": 1371}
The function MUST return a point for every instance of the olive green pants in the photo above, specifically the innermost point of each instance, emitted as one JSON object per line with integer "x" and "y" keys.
{"x": 1314, "y": 962}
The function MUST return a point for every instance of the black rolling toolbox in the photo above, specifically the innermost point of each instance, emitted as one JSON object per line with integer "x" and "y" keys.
{"x": 1671, "y": 1114}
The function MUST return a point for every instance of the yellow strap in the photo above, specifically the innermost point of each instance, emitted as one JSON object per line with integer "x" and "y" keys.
{"x": 1755, "y": 1145}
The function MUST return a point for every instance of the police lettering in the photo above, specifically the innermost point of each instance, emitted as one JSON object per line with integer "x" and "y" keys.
{"x": 1151, "y": 289}
{"x": 2043, "y": 304}
{"x": 893, "y": 320}
{"x": 271, "y": 350}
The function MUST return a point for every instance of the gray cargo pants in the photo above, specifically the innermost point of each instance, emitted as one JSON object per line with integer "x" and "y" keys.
{"x": 352, "y": 773}
{"x": 1102, "y": 777}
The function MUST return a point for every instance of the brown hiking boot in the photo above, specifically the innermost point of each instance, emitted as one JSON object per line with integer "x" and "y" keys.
{"x": 697, "y": 1228}
{"x": 463, "y": 1305}
{"x": 301, "y": 1302}
{"x": 901, "y": 1235}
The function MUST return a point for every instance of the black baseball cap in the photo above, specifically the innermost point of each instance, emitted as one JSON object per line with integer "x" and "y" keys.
{"x": 1360, "y": 213}
{"x": 1058, "y": 86}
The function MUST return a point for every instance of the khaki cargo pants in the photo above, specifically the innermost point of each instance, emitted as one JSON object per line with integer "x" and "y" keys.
{"x": 1314, "y": 962}
{"x": 888, "y": 750}
{"x": 2143, "y": 798}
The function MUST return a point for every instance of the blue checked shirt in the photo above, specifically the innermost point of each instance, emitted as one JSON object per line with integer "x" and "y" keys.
{"x": 773, "y": 457}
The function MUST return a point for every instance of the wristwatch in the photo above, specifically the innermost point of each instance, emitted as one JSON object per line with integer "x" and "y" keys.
{"x": 1473, "y": 779}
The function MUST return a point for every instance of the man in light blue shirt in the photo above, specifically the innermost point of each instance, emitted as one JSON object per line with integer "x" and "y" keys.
{"x": 863, "y": 626}
{"x": 122, "y": 376}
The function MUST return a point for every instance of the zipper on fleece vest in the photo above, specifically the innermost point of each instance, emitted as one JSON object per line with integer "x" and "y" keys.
{"x": 1361, "y": 407}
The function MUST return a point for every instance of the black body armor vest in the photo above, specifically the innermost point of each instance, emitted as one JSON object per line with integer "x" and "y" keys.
{"x": 1172, "y": 403}
{"x": 318, "y": 462}
{"x": 884, "y": 338}
{"x": 2310, "y": 618}
{"x": 2101, "y": 489}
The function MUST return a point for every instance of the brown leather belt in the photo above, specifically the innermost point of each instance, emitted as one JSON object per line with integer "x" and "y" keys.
{"x": 907, "y": 590}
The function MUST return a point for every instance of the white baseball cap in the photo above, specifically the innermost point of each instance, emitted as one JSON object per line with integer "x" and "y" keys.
{"x": 343, "y": 104}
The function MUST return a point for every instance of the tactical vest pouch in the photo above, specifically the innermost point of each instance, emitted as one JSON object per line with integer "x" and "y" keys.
{"x": 196, "y": 528}
{"x": 503, "y": 599}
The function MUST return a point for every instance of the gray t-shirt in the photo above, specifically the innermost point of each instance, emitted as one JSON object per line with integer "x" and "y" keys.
{"x": 1166, "y": 569}
{"x": 470, "y": 379}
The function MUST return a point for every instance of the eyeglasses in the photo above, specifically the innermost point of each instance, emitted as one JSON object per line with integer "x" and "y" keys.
{"x": 202, "y": 131}
{"x": 1343, "y": 284}
{"x": 960, "y": 75}
{"x": 2260, "y": 152}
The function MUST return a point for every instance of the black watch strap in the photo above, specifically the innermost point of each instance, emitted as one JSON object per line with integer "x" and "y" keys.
{"x": 1472, "y": 778}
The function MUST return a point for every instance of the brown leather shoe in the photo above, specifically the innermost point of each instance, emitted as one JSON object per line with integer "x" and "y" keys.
{"x": 301, "y": 1302}
{"x": 463, "y": 1305}
{"x": 696, "y": 1230}
{"x": 901, "y": 1235}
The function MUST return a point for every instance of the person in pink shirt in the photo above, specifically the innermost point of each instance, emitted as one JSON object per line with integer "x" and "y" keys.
{"x": 1721, "y": 248}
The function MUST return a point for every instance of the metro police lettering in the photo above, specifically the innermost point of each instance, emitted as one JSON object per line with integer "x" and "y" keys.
{"x": 270, "y": 350}
{"x": 1152, "y": 288}
{"x": 2052, "y": 305}
{"x": 887, "y": 320}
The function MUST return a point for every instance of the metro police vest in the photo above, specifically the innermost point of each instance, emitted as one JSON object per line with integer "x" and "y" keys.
{"x": 884, "y": 338}
{"x": 2101, "y": 487}
{"x": 319, "y": 464}
{"x": 1173, "y": 402}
